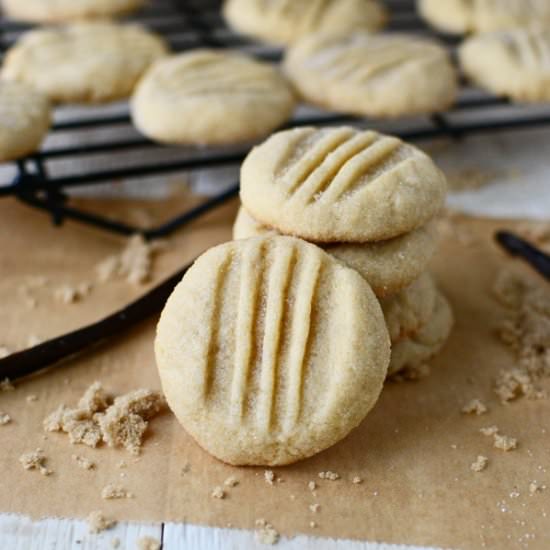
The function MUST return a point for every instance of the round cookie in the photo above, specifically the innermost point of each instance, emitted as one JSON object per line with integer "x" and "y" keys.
{"x": 24, "y": 120}
{"x": 415, "y": 350}
{"x": 284, "y": 21}
{"x": 376, "y": 75}
{"x": 210, "y": 97}
{"x": 410, "y": 310}
{"x": 510, "y": 63}
{"x": 270, "y": 351}
{"x": 340, "y": 184}
{"x": 52, "y": 11}
{"x": 83, "y": 62}
{"x": 388, "y": 266}
{"x": 463, "y": 16}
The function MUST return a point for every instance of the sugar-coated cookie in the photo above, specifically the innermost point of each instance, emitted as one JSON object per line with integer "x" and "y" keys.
{"x": 285, "y": 21}
{"x": 53, "y": 11}
{"x": 513, "y": 63}
{"x": 410, "y": 310}
{"x": 415, "y": 350}
{"x": 340, "y": 185}
{"x": 388, "y": 266}
{"x": 211, "y": 97}
{"x": 83, "y": 62}
{"x": 269, "y": 350}
{"x": 463, "y": 16}
{"x": 377, "y": 75}
{"x": 24, "y": 120}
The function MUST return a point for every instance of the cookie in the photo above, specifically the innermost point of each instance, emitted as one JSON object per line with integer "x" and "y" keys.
{"x": 270, "y": 351}
{"x": 340, "y": 184}
{"x": 24, "y": 120}
{"x": 514, "y": 63}
{"x": 284, "y": 21}
{"x": 83, "y": 62}
{"x": 375, "y": 75}
{"x": 463, "y": 16}
{"x": 222, "y": 98}
{"x": 414, "y": 351}
{"x": 410, "y": 310}
{"x": 388, "y": 266}
{"x": 54, "y": 11}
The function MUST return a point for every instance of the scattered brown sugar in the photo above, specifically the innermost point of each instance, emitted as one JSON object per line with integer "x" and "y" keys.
{"x": 35, "y": 460}
{"x": 475, "y": 406}
{"x": 4, "y": 352}
{"x": 83, "y": 462}
{"x": 489, "y": 430}
{"x": 95, "y": 399}
{"x": 312, "y": 485}
{"x": 134, "y": 263}
{"x": 5, "y": 418}
{"x": 218, "y": 493}
{"x": 314, "y": 507}
{"x": 357, "y": 480}
{"x": 265, "y": 532}
{"x": 504, "y": 442}
{"x": 97, "y": 522}
{"x": 31, "y": 398}
{"x": 269, "y": 477}
{"x": 148, "y": 543}
{"x": 331, "y": 476}
{"x": 535, "y": 487}
{"x": 6, "y": 385}
{"x": 113, "y": 491}
{"x": 480, "y": 464}
{"x": 231, "y": 482}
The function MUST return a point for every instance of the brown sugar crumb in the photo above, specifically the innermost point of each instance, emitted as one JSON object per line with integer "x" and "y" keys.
{"x": 231, "y": 482}
{"x": 83, "y": 462}
{"x": 95, "y": 399}
{"x": 5, "y": 385}
{"x": 134, "y": 263}
{"x": 265, "y": 532}
{"x": 218, "y": 493}
{"x": 314, "y": 507}
{"x": 5, "y": 418}
{"x": 148, "y": 543}
{"x": 312, "y": 485}
{"x": 97, "y": 522}
{"x": 331, "y": 476}
{"x": 113, "y": 491}
{"x": 504, "y": 442}
{"x": 475, "y": 406}
{"x": 31, "y": 398}
{"x": 269, "y": 476}
{"x": 35, "y": 460}
{"x": 357, "y": 480}
{"x": 480, "y": 464}
{"x": 489, "y": 430}
{"x": 535, "y": 487}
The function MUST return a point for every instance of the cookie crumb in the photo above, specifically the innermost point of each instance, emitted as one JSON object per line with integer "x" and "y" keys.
{"x": 97, "y": 522}
{"x": 489, "y": 430}
{"x": 112, "y": 491}
{"x": 480, "y": 464}
{"x": 312, "y": 524}
{"x": 67, "y": 294}
{"x": 314, "y": 507}
{"x": 504, "y": 442}
{"x": 5, "y": 385}
{"x": 5, "y": 418}
{"x": 357, "y": 480}
{"x": 475, "y": 406}
{"x": 265, "y": 532}
{"x": 83, "y": 462}
{"x": 31, "y": 398}
{"x": 312, "y": 485}
{"x": 331, "y": 476}
{"x": 269, "y": 476}
{"x": 35, "y": 460}
{"x": 231, "y": 482}
{"x": 535, "y": 487}
{"x": 218, "y": 493}
{"x": 148, "y": 543}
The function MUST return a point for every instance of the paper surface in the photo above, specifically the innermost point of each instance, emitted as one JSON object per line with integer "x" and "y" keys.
{"x": 413, "y": 451}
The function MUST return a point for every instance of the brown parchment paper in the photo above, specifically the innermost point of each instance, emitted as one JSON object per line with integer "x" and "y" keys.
{"x": 413, "y": 451}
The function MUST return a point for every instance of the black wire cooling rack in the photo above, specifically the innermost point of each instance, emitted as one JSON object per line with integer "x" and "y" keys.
{"x": 198, "y": 23}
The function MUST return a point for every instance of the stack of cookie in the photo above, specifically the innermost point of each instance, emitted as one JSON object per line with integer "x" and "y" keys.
{"x": 369, "y": 200}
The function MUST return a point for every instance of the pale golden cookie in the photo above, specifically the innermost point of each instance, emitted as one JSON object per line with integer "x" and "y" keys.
{"x": 340, "y": 185}
{"x": 285, "y": 21}
{"x": 463, "y": 16}
{"x": 416, "y": 350}
{"x": 211, "y": 97}
{"x": 83, "y": 62}
{"x": 52, "y": 11}
{"x": 377, "y": 75}
{"x": 270, "y": 351}
{"x": 513, "y": 63}
{"x": 410, "y": 310}
{"x": 388, "y": 266}
{"x": 24, "y": 120}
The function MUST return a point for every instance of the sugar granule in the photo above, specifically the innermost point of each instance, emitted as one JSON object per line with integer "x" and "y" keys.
{"x": 218, "y": 493}
{"x": 5, "y": 418}
{"x": 269, "y": 476}
{"x": 489, "y": 430}
{"x": 113, "y": 491}
{"x": 357, "y": 480}
{"x": 231, "y": 482}
{"x": 312, "y": 485}
{"x": 475, "y": 406}
{"x": 504, "y": 442}
{"x": 314, "y": 507}
{"x": 83, "y": 462}
{"x": 480, "y": 464}
{"x": 331, "y": 476}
